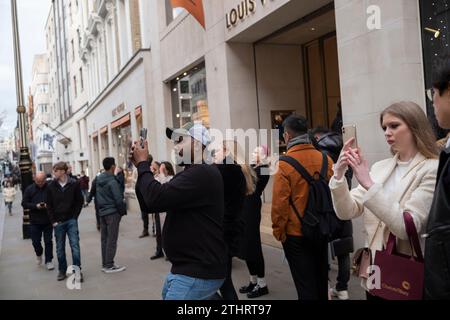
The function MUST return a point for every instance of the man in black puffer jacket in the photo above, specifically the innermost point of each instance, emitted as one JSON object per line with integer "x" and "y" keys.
{"x": 64, "y": 204}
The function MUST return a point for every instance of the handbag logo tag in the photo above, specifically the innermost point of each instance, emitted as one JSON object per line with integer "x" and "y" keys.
{"x": 406, "y": 285}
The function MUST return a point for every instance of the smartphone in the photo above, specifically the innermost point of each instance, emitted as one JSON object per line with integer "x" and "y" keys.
{"x": 349, "y": 132}
{"x": 143, "y": 136}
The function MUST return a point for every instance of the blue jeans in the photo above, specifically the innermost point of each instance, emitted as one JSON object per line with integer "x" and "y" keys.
{"x": 70, "y": 228}
{"x": 180, "y": 287}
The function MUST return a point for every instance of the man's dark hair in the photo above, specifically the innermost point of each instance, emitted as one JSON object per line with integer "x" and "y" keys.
{"x": 441, "y": 77}
{"x": 169, "y": 168}
{"x": 320, "y": 130}
{"x": 108, "y": 163}
{"x": 296, "y": 125}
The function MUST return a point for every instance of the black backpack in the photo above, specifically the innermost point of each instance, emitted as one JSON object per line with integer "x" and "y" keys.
{"x": 319, "y": 221}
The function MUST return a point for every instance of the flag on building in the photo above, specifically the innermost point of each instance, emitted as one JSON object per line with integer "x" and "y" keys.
{"x": 194, "y": 7}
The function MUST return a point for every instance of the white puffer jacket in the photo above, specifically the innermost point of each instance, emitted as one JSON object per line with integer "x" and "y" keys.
{"x": 9, "y": 194}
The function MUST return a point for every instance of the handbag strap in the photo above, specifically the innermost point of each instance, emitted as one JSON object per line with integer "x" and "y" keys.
{"x": 374, "y": 235}
{"x": 391, "y": 245}
{"x": 413, "y": 238}
{"x": 412, "y": 235}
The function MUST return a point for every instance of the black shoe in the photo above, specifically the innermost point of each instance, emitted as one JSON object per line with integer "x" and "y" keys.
{"x": 157, "y": 255}
{"x": 98, "y": 227}
{"x": 247, "y": 289}
{"x": 61, "y": 276}
{"x": 144, "y": 234}
{"x": 258, "y": 292}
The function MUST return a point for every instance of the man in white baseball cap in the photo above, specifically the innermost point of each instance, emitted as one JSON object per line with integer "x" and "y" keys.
{"x": 193, "y": 237}
{"x": 191, "y": 142}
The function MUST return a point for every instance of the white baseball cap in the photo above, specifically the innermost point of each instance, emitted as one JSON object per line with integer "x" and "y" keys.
{"x": 193, "y": 129}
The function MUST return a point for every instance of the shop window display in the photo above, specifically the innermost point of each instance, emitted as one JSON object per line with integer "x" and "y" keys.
{"x": 189, "y": 97}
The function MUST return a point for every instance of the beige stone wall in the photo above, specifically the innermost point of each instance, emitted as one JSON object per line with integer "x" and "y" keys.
{"x": 135, "y": 25}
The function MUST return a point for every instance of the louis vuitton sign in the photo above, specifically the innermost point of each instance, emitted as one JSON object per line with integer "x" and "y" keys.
{"x": 242, "y": 11}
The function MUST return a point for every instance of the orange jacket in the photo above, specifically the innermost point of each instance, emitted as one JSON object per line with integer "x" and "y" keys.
{"x": 289, "y": 183}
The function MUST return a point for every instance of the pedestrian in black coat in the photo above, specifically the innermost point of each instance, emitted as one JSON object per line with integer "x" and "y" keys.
{"x": 437, "y": 245}
{"x": 250, "y": 245}
{"x": 238, "y": 182}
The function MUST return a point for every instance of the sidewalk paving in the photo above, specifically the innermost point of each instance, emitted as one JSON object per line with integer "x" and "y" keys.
{"x": 21, "y": 278}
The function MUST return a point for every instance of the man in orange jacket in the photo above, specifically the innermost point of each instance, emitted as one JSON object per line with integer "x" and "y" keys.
{"x": 307, "y": 260}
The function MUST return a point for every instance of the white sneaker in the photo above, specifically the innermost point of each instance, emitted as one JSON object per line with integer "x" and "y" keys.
{"x": 115, "y": 269}
{"x": 39, "y": 260}
{"x": 341, "y": 295}
{"x": 50, "y": 266}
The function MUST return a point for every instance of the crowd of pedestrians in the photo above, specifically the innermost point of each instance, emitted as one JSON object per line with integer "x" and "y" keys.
{"x": 210, "y": 211}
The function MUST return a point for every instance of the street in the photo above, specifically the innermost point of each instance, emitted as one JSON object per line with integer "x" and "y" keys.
{"x": 21, "y": 278}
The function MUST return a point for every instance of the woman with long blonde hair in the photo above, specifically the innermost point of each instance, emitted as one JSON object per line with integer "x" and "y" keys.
{"x": 239, "y": 181}
{"x": 402, "y": 183}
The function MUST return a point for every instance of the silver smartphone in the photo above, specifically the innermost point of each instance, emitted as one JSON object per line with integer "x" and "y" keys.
{"x": 143, "y": 136}
{"x": 349, "y": 132}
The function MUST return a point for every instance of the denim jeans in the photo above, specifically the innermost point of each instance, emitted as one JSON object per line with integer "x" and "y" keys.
{"x": 180, "y": 287}
{"x": 69, "y": 228}
{"x": 37, "y": 230}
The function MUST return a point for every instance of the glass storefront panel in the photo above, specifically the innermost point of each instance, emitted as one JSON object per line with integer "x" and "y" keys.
{"x": 189, "y": 97}
{"x": 322, "y": 80}
{"x": 435, "y": 16}
{"x": 123, "y": 140}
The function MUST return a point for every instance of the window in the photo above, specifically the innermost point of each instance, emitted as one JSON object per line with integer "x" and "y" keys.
{"x": 43, "y": 108}
{"x": 75, "y": 86}
{"x": 81, "y": 79}
{"x": 42, "y": 88}
{"x": 70, "y": 14}
{"x": 434, "y": 15}
{"x": 79, "y": 37}
{"x": 189, "y": 97}
{"x": 73, "y": 50}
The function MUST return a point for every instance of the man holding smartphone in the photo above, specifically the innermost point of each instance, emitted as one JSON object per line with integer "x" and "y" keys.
{"x": 34, "y": 199}
{"x": 192, "y": 236}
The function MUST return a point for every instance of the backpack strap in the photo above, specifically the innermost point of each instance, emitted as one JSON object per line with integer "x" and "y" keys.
{"x": 324, "y": 170}
{"x": 302, "y": 171}
{"x": 297, "y": 166}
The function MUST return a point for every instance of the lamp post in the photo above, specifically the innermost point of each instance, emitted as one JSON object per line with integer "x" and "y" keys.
{"x": 25, "y": 164}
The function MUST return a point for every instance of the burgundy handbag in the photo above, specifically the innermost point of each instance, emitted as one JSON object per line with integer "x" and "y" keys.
{"x": 402, "y": 276}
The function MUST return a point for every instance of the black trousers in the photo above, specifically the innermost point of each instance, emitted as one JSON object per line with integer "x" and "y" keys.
{"x": 158, "y": 232}
{"x": 343, "y": 273}
{"x": 227, "y": 290}
{"x": 145, "y": 220}
{"x": 308, "y": 262}
{"x": 37, "y": 231}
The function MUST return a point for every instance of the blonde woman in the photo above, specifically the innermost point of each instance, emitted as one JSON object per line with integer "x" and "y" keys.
{"x": 239, "y": 181}
{"x": 9, "y": 195}
{"x": 402, "y": 183}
